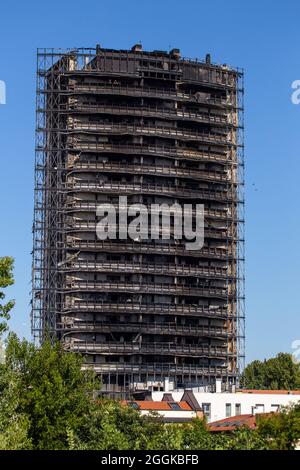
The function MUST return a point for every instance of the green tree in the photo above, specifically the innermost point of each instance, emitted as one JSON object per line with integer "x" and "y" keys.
{"x": 13, "y": 424}
{"x": 109, "y": 426}
{"x": 115, "y": 426}
{"x": 168, "y": 437}
{"x": 14, "y": 434}
{"x": 6, "y": 279}
{"x": 50, "y": 390}
{"x": 245, "y": 438}
{"x": 47, "y": 401}
{"x": 281, "y": 430}
{"x": 280, "y": 372}
{"x": 196, "y": 436}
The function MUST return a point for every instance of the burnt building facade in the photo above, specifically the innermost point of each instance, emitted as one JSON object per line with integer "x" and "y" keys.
{"x": 159, "y": 129}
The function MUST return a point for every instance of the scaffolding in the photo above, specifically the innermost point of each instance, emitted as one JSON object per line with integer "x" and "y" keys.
{"x": 154, "y": 127}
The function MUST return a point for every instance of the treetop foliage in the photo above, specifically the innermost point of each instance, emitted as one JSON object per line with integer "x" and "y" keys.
{"x": 277, "y": 373}
{"x": 49, "y": 401}
{"x": 6, "y": 279}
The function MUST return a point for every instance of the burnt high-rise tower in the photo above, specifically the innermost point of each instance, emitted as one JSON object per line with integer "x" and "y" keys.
{"x": 156, "y": 128}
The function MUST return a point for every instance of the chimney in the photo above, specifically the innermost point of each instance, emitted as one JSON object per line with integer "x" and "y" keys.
{"x": 167, "y": 397}
{"x": 137, "y": 48}
{"x": 167, "y": 384}
{"x": 218, "y": 385}
{"x": 175, "y": 53}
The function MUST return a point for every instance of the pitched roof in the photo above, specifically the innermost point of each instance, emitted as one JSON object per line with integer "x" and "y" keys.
{"x": 232, "y": 423}
{"x": 190, "y": 398}
{"x": 167, "y": 397}
{"x": 158, "y": 405}
{"x": 270, "y": 392}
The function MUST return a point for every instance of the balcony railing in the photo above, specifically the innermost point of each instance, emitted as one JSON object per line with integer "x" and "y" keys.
{"x": 75, "y": 205}
{"x": 144, "y": 328}
{"x": 151, "y": 309}
{"x": 149, "y": 248}
{"x": 161, "y": 369}
{"x": 148, "y": 268}
{"x": 209, "y": 176}
{"x": 210, "y": 195}
{"x": 142, "y": 168}
{"x": 147, "y": 348}
{"x": 160, "y": 131}
{"x": 152, "y": 92}
{"x": 167, "y": 151}
{"x": 225, "y": 120}
{"x": 90, "y": 226}
{"x": 139, "y": 288}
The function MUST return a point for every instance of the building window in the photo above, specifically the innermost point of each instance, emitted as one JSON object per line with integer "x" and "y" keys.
{"x": 134, "y": 405}
{"x": 206, "y": 407}
{"x": 259, "y": 408}
{"x": 237, "y": 409}
{"x": 275, "y": 408}
{"x": 228, "y": 410}
{"x": 174, "y": 406}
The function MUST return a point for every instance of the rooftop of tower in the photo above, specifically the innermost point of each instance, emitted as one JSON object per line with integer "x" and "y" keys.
{"x": 136, "y": 51}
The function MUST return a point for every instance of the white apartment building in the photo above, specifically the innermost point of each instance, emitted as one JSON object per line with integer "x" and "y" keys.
{"x": 221, "y": 405}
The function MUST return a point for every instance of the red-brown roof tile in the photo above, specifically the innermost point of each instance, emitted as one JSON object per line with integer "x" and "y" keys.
{"x": 232, "y": 423}
{"x": 159, "y": 405}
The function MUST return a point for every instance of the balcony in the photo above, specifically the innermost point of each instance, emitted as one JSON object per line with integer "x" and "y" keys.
{"x": 79, "y": 306}
{"x": 76, "y": 205}
{"x": 142, "y": 168}
{"x": 147, "y": 348}
{"x": 145, "y": 328}
{"x": 80, "y": 145}
{"x": 146, "y": 268}
{"x": 139, "y": 288}
{"x": 225, "y": 253}
{"x": 157, "y": 369}
{"x": 156, "y": 131}
{"x": 90, "y": 226}
{"x": 222, "y": 120}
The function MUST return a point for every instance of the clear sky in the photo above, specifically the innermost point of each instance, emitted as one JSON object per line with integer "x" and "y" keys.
{"x": 263, "y": 37}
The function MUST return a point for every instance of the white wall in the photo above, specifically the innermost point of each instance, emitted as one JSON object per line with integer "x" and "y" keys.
{"x": 172, "y": 413}
{"x": 248, "y": 401}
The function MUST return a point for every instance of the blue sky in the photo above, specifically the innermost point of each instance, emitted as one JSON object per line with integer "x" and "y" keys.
{"x": 260, "y": 36}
